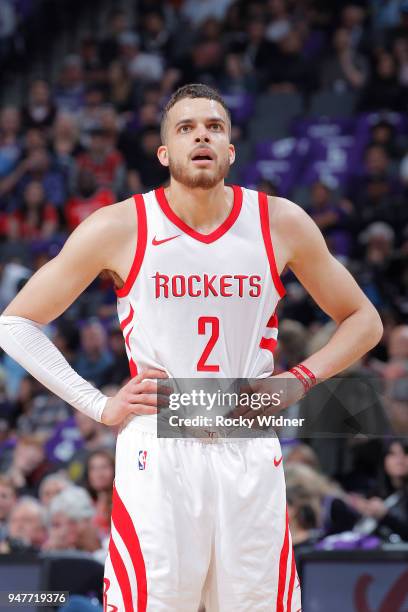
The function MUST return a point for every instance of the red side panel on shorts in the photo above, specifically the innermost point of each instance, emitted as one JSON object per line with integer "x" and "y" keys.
{"x": 121, "y": 575}
{"x": 283, "y": 562}
{"x": 124, "y": 526}
{"x": 291, "y": 581}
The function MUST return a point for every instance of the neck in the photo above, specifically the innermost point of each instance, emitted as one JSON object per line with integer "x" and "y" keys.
{"x": 202, "y": 209}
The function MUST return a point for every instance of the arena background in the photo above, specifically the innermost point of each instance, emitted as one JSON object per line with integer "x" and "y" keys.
{"x": 318, "y": 95}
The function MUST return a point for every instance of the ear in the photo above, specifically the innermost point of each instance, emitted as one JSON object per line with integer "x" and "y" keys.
{"x": 231, "y": 153}
{"x": 163, "y": 156}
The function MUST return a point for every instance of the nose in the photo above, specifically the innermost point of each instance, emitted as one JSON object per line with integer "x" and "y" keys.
{"x": 202, "y": 135}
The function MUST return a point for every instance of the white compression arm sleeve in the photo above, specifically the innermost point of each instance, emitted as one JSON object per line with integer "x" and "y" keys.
{"x": 25, "y": 341}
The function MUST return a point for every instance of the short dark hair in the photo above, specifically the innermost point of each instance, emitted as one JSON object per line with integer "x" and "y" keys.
{"x": 192, "y": 90}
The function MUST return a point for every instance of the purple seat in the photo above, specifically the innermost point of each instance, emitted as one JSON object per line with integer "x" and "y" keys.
{"x": 279, "y": 161}
{"x": 328, "y": 160}
{"x": 241, "y": 106}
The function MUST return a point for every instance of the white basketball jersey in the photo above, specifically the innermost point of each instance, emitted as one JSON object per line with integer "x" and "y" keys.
{"x": 202, "y": 305}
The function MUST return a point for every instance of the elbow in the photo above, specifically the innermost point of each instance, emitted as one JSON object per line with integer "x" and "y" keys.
{"x": 375, "y": 328}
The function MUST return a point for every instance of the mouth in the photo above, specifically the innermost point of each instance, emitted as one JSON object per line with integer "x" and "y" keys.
{"x": 202, "y": 157}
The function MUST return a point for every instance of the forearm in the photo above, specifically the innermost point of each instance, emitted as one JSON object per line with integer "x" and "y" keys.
{"x": 25, "y": 342}
{"x": 354, "y": 337}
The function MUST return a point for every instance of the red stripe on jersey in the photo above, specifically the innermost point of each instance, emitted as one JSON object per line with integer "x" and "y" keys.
{"x": 124, "y": 526}
{"x": 128, "y": 319}
{"x": 266, "y": 233}
{"x": 273, "y": 321}
{"x": 268, "y": 343}
{"x": 132, "y": 365}
{"x": 127, "y": 341}
{"x": 291, "y": 581}
{"x": 140, "y": 247}
{"x": 206, "y": 238}
{"x": 121, "y": 575}
{"x": 132, "y": 368}
{"x": 283, "y": 561}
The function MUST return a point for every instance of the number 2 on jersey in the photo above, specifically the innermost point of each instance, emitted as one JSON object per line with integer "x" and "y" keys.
{"x": 214, "y": 324}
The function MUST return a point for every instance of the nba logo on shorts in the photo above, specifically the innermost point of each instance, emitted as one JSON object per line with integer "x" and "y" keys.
{"x": 142, "y": 459}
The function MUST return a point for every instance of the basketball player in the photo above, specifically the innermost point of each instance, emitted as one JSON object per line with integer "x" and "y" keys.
{"x": 196, "y": 267}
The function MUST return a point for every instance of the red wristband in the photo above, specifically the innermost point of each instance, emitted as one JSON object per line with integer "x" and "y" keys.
{"x": 301, "y": 378}
{"x": 307, "y": 372}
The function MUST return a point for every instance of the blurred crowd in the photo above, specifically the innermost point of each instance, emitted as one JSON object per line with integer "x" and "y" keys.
{"x": 89, "y": 138}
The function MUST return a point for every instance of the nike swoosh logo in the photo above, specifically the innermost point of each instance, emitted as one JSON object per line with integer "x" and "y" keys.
{"x": 157, "y": 242}
{"x": 277, "y": 463}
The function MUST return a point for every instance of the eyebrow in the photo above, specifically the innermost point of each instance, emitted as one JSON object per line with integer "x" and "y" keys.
{"x": 209, "y": 120}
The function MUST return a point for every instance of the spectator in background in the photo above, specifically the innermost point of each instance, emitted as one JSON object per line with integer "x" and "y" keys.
{"x": 143, "y": 66}
{"x": 236, "y": 78}
{"x": 400, "y": 52}
{"x": 118, "y": 372}
{"x": 90, "y": 114}
{"x": 94, "y": 69}
{"x": 27, "y": 527}
{"x": 105, "y": 163}
{"x": 389, "y": 507}
{"x": 70, "y": 91}
{"x": 99, "y": 475}
{"x": 95, "y": 357}
{"x": 335, "y": 219}
{"x": 383, "y": 133}
{"x": 383, "y": 91}
{"x": 374, "y": 189}
{"x": 10, "y": 142}
{"x": 40, "y": 110}
{"x": 87, "y": 200}
{"x": 288, "y": 71}
{"x": 156, "y": 37}
{"x": 352, "y": 19}
{"x": 121, "y": 90}
{"x": 8, "y": 25}
{"x": 51, "y": 486}
{"x": 303, "y": 512}
{"x": 335, "y": 514}
{"x": 65, "y": 138}
{"x": 151, "y": 172}
{"x": 345, "y": 69}
{"x": 8, "y": 498}
{"x": 117, "y": 23}
{"x": 197, "y": 11}
{"x": 36, "y": 167}
{"x": 280, "y": 22}
{"x": 92, "y": 436}
{"x": 70, "y": 523}
{"x": 36, "y": 218}
{"x": 257, "y": 51}
{"x": 29, "y": 464}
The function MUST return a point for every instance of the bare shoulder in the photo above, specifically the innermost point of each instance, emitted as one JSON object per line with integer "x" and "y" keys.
{"x": 284, "y": 213}
{"x": 117, "y": 219}
{"x": 104, "y": 236}
{"x": 294, "y": 230}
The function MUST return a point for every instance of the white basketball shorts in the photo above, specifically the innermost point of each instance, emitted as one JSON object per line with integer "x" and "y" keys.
{"x": 199, "y": 521}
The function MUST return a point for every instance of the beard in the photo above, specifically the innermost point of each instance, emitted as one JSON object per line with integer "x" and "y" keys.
{"x": 199, "y": 178}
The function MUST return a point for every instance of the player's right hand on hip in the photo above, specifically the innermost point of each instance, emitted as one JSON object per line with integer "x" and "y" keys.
{"x": 138, "y": 396}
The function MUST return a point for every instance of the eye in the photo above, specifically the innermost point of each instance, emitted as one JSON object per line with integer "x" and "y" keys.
{"x": 184, "y": 129}
{"x": 216, "y": 127}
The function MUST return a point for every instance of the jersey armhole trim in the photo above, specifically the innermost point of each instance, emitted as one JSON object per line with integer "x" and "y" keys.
{"x": 266, "y": 234}
{"x": 140, "y": 247}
